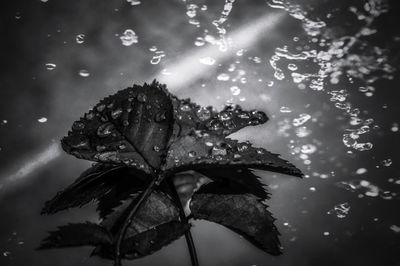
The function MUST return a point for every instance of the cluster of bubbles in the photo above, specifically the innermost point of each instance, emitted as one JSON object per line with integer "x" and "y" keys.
{"x": 335, "y": 57}
{"x": 191, "y": 12}
{"x": 222, "y": 43}
{"x": 366, "y": 188}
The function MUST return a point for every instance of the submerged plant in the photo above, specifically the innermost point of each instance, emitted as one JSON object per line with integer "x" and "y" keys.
{"x": 163, "y": 161}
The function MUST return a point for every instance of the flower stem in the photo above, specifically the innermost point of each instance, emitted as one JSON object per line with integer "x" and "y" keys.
{"x": 132, "y": 210}
{"x": 188, "y": 234}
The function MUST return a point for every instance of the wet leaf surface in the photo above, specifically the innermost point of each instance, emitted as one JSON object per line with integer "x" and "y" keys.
{"x": 99, "y": 182}
{"x": 200, "y": 149}
{"x": 145, "y": 243}
{"x": 189, "y": 116}
{"x": 144, "y": 138}
{"x": 131, "y": 127}
{"x": 229, "y": 205}
{"x": 73, "y": 235}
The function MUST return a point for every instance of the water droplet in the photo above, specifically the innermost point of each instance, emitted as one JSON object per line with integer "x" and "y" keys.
{"x": 42, "y": 120}
{"x": 192, "y": 154}
{"x": 225, "y": 115}
{"x": 84, "y": 73}
{"x": 77, "y": 125}
{"x": 223, "y": 77}
{"x": 160, "y": 117}
{"x": 301, "y": 120}
{"x": 105, "y": 130}
{"x": 100, "y": 148}
{"x": 50, "y": 66}
{"x": 116, "y": 113}
{"x": 308, "y": 149}
{"x": 387, "y": 162}
{"x": 285, "y": 109}
{"x": 156, "y": 148}
{"x": 395, "y": 127}
{"x": 141, "y": 97}
{"x": 218, "y": 151}
{"x": 235, "y": 90}
{"x": 361, "y": 171}
{"x": 156, "y": 59}
{"x": 134, "y": 2}
{"x": 302, "y": 132}
{"x": 203, "y": 114}
{"x": 199, "y": 41}
{"x": 129, "y": 37}
{"x": 209, "y": 144}
{"x": 185, "y": 108}
{"x": 80, "y": 38}
{"x": 292, "y": 67}
{"x": 395, "y": 228}
{"x": 207, "y": 60}
{"x": 340, "y": 210}
{"x": 101, "y": 107}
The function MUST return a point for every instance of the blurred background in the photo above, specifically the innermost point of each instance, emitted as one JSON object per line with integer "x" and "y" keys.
{"x": 324, "y": 71}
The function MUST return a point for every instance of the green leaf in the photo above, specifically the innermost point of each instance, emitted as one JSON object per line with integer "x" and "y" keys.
{"x": 246, "y": 214}
{"x": 80, "y": 234}
{"x": 131, "y": 127}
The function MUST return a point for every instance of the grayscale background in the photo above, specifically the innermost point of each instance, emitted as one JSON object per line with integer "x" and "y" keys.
{"x": 39, "y": 103}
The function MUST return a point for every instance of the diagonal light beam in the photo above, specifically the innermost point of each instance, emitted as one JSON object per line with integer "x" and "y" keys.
{"x": 183, "y": 72}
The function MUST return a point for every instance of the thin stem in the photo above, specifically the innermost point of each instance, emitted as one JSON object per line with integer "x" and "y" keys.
{"x": 188, "y": 234}
{"x": 132, "y": 209}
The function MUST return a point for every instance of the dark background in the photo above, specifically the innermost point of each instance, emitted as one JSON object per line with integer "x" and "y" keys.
{"x": 34, "y": 33}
